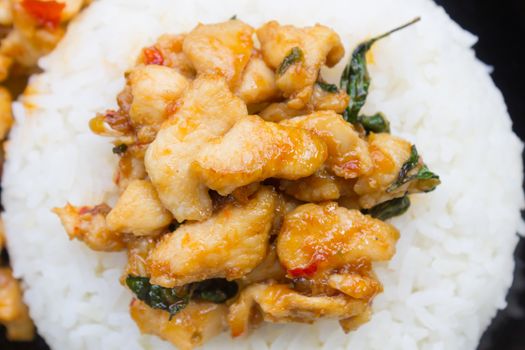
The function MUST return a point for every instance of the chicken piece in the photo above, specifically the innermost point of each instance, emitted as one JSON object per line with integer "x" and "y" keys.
{"x": 138, "y": 250}
{"x": 153, "y": 88}
{"x": 189, "y": 328}
{"x": 352, "y": 323}
{"x": 208, "y": 109}
{"x": 355, "y": 285}
{"x": 276, "y": 112}
{"x": 348, "y": 155}
{"x": 6, "y": 116}
{"x": 230, "y": 244}
{"x": 254, "y": 150}
{"x": 320, "y": 100}
{"x": 6, "y": 16}
{"x": 88, "y": 224}
{"x": 130, "y": 166}
{"x": 35, "y": 34}
{"x": 167, "y": 51}
{"x": 315, "y": 238}
{"x": 323, "y": 100}
{"x": 223, "y": 48}
{"x": 258, "y": 82}
{"x": 313, "y": 47}
{"x": 13, "y": 312}
{"x": 279, "y": 303}
{"x": 319, "y": 187}
{"x": 139, "y": 211}
{"x": 269, "y": 269}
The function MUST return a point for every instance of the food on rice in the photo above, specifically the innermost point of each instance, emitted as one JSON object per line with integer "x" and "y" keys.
{"x": 14, "y": 315}
{"x": 180, "y": 136}
{"x": 452, "y": 264}
{"x": 35, "y": 28}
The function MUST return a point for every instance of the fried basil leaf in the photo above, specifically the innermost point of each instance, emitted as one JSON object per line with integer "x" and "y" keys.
{"x": 216, "y": 290}
{"x": 389, "y": 209}
{"x": 429, "y": 180}
{"x": 171, "y": 300}
{"x": 295, "y": 55}
{"x": 376, "y": 123}
{"x": 355, "y": 79}
{"x": 331, "y": 88}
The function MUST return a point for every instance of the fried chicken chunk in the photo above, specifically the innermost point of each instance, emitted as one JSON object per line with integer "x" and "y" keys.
{"x": 312, "y": 46}
{"x": 190, "y": 328}
{"x": 315, "y": 237}
{"x": 207, "y": 111}
{"x": 254, "y": 150}
{"x": 223, "y": 48}
{"x": 139, "y": 211}
{"x": 280, "y": 303}
{"x": 229, "y": 244}
{"x": 348, "y": 155}
{"x": 211, "y": 142}
{"x": 13, "y": 312}
{"x": 319, "y": 187}
{"x": 88, "y": 224}
{"x": 258, "y": 82}
{"x": 153, "y": 88}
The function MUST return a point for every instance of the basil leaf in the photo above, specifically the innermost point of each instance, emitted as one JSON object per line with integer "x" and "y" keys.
{"x": 157, "y": 297}
{"x": 295, "y": 55}
{"x": 355, "y": 79}
{"x": 375, "y": 123}
{"x": 389, "y": 209}
{"x": 216, "y": 290}
{"x": 331, "y": 88}
{"x": 428, "y": 180}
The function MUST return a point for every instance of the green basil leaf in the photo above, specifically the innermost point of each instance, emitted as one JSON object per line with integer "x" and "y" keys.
{"x": 376, "y": 123}
{"x": 355, "y": 79}
{"x": 216, "y": 290}
{"x": 295, "y": 55}
{"x": 389, "y": 209}
{"x": 331, "y": 88}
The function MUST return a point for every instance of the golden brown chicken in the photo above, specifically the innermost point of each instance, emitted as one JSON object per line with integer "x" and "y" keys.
{"x": 190, "y": 328}
{"x": 230, "y": 244}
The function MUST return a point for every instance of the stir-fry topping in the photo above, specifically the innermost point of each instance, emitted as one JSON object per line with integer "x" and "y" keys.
{"x": 251, "y": 189}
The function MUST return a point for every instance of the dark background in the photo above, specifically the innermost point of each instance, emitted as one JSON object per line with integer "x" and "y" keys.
{"x": 500, "y": 26}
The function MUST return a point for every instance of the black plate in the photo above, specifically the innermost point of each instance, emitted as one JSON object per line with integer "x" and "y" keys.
{"x": 500, "y": 26}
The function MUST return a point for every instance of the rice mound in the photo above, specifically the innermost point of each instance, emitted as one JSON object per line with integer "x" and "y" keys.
{"x": 454, "y": 260}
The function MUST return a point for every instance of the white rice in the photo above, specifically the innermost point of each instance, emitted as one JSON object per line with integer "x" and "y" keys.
{"x": 454, "y": 260}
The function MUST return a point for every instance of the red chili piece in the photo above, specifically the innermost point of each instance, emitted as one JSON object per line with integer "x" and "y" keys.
{"x": 153, "y": 56}
{"x": 46, "y": 13}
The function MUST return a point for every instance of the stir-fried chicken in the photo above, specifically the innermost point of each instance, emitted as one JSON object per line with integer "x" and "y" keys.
{"x": 190, "y": 328}
{"x": 319, "y": 187}
{"x": 254, "y": 150}
{"x": 88, "y": 224}
{"x": 258, "y": 82}
{"x": 314, "y": 46}
{"x": 207, "y": 111}
{"x": 153, "y": 88}
{"x": 14, "y": 314}
{"x": 139, "y": 211}
{"x": 347, "y": 153}
{"x": 222, "y": 48}
{"x": 229, "y": 244}
{"x": 315, "y": 238}
{"x": 280, "y": 303}
{"x": 222, "y": 139}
